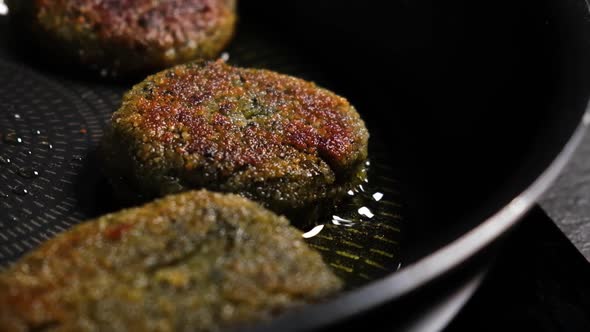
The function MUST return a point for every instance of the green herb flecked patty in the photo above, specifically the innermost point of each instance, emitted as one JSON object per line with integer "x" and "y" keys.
{"x": 128, "y": 37}
{"x": 276, "y": 139}
{"x": 196, "y": 261}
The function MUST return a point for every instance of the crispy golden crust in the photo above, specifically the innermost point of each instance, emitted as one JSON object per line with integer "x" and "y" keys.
{"x": 271, "y": 137}
{"x": 196, "y": 261}
{"x": 130, "y": 36}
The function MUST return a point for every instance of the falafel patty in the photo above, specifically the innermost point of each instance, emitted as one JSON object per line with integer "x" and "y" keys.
{"x": 195, "y": 261}
{"x": 128, "y": 37}
{"x": 273, "y": 138}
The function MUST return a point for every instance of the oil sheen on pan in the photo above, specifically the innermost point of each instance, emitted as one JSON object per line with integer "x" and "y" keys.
{"x": 50, "y": 179}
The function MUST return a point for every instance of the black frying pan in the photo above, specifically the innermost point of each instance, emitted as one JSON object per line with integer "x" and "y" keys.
{"x": 473, "y": 108}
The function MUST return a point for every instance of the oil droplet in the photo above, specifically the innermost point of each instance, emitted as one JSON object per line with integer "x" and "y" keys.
{"x": 342, "y": 222}
{"x": 13, "y": 218}
{"x": 377, "y": 196}
{"x": 350, "y": 193}
{"x": 365, "y": 212}
{"x": 225, "y": 56}
{"x": 4, "y": 160}
{"x": 77, "y": 157}
{"x": 3, "y": 195}
{"x": 3, "y": 8}
{"x": 46, "y": 145}
{"x": 12, "y": 138}
{"x": 28, "y": 173}
{"x": 313, "y": 232}
{"x": 20, "y": 190}
{"x": 16, "y": 116}
{"x": 36, "y": 132}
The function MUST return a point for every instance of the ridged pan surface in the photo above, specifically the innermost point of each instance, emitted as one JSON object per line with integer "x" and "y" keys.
{"x": 51, "y": 122}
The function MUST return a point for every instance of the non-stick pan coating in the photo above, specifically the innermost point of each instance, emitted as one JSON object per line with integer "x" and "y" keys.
{"x": 471, "y": 102}
{"x": 54, "y": 120}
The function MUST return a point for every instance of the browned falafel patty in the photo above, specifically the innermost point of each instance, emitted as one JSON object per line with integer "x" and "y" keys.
{"x": 129, "y": 36}
{"x": 273, "y": 138}
{"x": 195, "y": 261}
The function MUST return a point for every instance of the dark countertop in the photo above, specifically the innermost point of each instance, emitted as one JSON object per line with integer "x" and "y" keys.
{"x": 538, "y": 282}
{"x": 568, "y": 200}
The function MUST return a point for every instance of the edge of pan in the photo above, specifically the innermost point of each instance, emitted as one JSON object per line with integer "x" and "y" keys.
{"x": 436, "y": 264}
